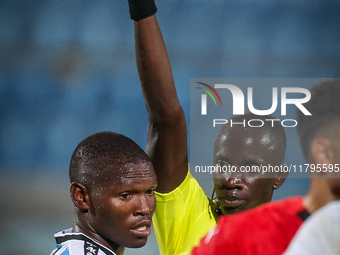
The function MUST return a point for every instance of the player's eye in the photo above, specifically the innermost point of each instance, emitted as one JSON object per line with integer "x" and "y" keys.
{"x": 125, "y": 195}
{"x": 252, "y": 170}
{"x": 222, "y": 163}
{"x": 150, "y": 191}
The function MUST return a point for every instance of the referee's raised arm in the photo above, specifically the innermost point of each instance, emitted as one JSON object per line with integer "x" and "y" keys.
{"x": 167, "y": 134}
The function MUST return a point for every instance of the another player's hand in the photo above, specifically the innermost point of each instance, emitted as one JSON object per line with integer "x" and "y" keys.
{"x": 141, "y": 9}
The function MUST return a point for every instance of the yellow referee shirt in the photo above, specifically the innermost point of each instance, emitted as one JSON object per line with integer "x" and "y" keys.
{"x": 182, "y": 217}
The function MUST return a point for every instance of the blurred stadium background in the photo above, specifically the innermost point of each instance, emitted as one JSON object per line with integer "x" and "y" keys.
{"x": 67, "y": 70}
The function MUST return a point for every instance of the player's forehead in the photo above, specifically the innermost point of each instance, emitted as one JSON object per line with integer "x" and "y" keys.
{"x": 245, "y": 137}
{"x": 114, "y": 172}
{"x": 247, "y": 147}
{"x": 140, "y": 169}
{"x": 136, "y": 176}
{"x": 129, "y": 175}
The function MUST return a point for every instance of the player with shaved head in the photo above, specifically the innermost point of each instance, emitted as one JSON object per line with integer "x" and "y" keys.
{"x": 112, "y": 189}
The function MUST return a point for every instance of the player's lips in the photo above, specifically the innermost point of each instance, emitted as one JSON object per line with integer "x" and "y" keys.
{"x": 142, "y": 229}
{"x": 231, "y": 202}
{"x": 227, "y": 200}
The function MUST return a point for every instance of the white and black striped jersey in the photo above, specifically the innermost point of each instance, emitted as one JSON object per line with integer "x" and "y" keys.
{"x": 69, "y": 243}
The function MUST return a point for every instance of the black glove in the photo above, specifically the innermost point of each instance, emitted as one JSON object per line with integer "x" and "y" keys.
{"x": 141, "y": 9}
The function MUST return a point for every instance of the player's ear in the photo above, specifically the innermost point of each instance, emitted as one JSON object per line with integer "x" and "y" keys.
{"x": 281, "y": 177}
{"x": 321, "y": 151}
{"x": 80, "y": 196}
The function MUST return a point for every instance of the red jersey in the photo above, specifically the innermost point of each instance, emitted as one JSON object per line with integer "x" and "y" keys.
{"x": 265, "y": 230}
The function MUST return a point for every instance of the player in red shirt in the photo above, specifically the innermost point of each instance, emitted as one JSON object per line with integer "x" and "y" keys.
{"x": 265, "y": 230}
